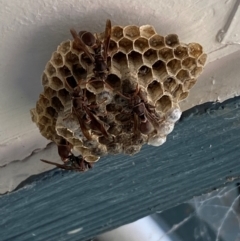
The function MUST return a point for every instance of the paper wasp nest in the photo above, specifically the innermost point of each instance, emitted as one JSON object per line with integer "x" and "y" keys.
{"x": 164, "y": 69}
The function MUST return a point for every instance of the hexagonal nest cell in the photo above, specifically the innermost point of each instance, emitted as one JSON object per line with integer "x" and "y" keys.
{"x": 122, "y": 101}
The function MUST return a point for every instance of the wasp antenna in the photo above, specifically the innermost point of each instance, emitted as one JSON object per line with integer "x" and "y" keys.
{"x": 74, "y": 33}
{"x": 59, "y": 165}
{"x": 48, "y": 162}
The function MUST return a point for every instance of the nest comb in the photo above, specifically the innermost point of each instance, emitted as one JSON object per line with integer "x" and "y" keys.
{"x": 162, "y": 67}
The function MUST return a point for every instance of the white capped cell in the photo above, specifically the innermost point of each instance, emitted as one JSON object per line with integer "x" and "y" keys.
{"x": 173, "y": 115}
{"x": 165, "y": 128}
{"x": 156, "y": 140}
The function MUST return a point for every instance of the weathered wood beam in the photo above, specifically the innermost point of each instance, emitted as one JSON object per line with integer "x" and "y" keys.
{"x": 200, "y": 154}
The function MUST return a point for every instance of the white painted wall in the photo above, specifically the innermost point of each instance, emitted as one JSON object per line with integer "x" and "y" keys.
{"x": 144, "y": 229}
{"x": 31, "y": 31}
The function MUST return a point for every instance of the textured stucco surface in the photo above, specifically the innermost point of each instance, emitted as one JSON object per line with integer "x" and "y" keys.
{"x": 31, "y": 31}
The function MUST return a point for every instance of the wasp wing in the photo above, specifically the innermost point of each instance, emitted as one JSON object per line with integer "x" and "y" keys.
{"x": 82, "y": 124}
{"x": 108, "y": 30}
{"x": 152, "y": 118}
{"x": 97, "y": 123}
{"x": 80, "y": 45}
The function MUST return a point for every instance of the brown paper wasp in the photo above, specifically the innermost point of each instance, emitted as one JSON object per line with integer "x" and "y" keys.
{"x": 98, "y": 52}
{"x": 85, "y": 112}
{"x": 145, "y": 116}
{"x": 71, "y": 162}
{"x": 74, "y": 163}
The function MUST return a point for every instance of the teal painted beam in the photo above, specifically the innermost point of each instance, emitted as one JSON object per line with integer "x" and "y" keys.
{"x": 199, "y": 155}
